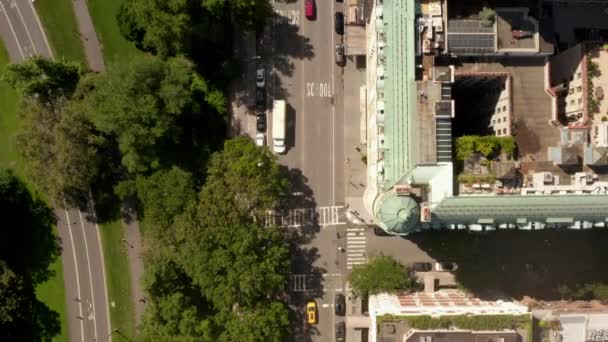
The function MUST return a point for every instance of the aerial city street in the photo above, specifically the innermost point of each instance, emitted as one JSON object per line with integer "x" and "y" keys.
{"x": 304, "y": 170}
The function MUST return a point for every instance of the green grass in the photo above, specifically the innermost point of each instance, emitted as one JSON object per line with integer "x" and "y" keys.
{"x": 115, "y": 47}
{"x": 60, "y": 25}
{"x": 122, "y": 314}
{"x": 51, "y": 292}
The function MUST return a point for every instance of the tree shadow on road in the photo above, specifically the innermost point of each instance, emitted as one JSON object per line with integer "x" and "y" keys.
{"x": 302, "y": 253}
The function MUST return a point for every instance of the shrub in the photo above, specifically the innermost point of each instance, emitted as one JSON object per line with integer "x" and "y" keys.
{"x": 487, "y": 16}
{"x": 466, "y": 322}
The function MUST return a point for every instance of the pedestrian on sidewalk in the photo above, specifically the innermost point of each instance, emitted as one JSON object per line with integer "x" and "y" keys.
{"x": 76, "y": 299}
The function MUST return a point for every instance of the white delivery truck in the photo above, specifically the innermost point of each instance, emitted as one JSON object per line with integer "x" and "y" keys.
{"x": 278, "y": 126}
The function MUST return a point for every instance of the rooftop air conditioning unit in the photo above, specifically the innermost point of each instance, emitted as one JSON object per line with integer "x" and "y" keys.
{"x": 425, "y": 212}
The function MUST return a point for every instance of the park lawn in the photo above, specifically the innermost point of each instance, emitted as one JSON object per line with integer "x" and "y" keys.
{"x": 60, "y": 25}
{"x": 51, "y": 292}
{"x": 115, "y": 47}
{"x": 122, "y": 312}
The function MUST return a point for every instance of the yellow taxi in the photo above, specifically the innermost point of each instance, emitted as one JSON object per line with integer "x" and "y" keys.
{"x": 311, "y": 312}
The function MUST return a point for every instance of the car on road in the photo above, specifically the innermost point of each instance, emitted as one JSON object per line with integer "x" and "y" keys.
{"x": 309, "y": 9}
{"x": 260, "y": 77}
{"x": 260, "y": 99}
{"x": 260, "y": 139}
{"x": 422, "y": 266}
{"x": 260, "y": 122}
{"x": 339, "y": 22}
{"x": 446, "y": 266}
{"x": 311, "y": 312}
{"x": 340, "y": 304}
{"x": 340, "y": 331}
{"x": 340, "y": 55}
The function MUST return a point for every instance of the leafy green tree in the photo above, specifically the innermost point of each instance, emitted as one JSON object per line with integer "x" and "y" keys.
{"x": 381, "y": 274}
{"x": 238, "y": 264}
{"x": 243, "y": 181}
{"x": 140, "y": 104}
{"x": 170, "y": 28}
{"x": 265, "y": 322}
{"x": 487, "y": 16}
{"x": 11, "y": 296}
{"x": 164, "y": 195}
{"x": 43, "y": 79}
{"x": 61, "y": 149}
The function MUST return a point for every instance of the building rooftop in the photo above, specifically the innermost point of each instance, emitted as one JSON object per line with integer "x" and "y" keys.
{"x": 461, "y": 336}
{"x": 401, "y": 139}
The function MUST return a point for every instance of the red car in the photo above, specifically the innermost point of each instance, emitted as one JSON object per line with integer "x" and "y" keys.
{"x": 309, "y": 9}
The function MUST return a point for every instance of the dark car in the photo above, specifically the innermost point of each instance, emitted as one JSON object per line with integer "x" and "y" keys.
{"x": 340, "y": 304}
{"x": 339, "y": 22}
{"x": 340, "y": 331}
{"x": 261, "y": 122}
{"x": 260, "y": 99}
{"x": 422, "y": 266}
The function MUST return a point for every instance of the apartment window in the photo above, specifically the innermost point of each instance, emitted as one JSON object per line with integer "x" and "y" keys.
{"x": 493, "y": 122}
{"x": 571, "y": 91}
{"x": 578, "y": 75}
{"x": 579, "y": 89}
{"x": 580, "y": 100}
{"x": 504, "y": 119}
{"x": 571, "y": 102}
{"x": 504, "y": 108}
{"x": 498, "y": 110}
{"x": 504, "y": 131}
{"x": 498, "y": 120}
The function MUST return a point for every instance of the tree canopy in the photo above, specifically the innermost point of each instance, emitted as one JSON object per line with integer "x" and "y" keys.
{"x": 27, "y": 249}
{"x": 381, "y": 274}
{"x": 170, "y": 28}
{"x": 223, "y": 275}
{"x": 243, "y": 181}
{"x": 139, "y": 104}
{"x": 43, "y": 79}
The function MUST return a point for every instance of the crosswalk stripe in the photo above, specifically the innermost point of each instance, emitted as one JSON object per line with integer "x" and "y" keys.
{"x": 355, "y": 242}
{"x": 356, "y": 238}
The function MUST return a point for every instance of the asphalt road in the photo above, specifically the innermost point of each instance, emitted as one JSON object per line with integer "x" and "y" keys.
{"x": 21, "y": 30}
{"x": 305, "y": 74}
{"x": 84, "y": 276}
{"x": 82, "y": 256}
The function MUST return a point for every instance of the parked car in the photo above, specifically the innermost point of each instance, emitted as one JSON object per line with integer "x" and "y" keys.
{"x": 260, "y": 122}
{"x": 311, "y": 312}
{"x": 309, "y": 9}
{"x": 446, "y": 266}
{"x": 340, "y": 331}
{"x": 260, "y": 77}
{"x": 260, "y": 139}
{"x": 340, "y": 304}
{"x": 340, "y": 60}
{"x": 260, "y": 100}
{"x": 422, "y": 266}
{"x": 339, "y": 22}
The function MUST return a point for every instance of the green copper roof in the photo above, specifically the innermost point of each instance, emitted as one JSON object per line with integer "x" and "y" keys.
{"x": 398, "y": 214}
{"x": 513, "y": 209}
{"x": 400, "y": 90}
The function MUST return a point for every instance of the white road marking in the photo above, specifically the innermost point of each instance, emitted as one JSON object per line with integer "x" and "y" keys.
{"x": 325, "y": 306}
{"x": 67, "y": 216}
{"x": 46, "y": 42}
{"x": 86, "y": 249}
{"x": 356, "y": 247}
{"x": 12, "y": 29}
{"x": 26, "y": 30}
{"x": 103, "y": 269}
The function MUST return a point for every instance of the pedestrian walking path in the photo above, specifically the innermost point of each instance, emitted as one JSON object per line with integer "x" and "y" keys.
{"x": 356, "y": 247}
{"x": 299, "y": 217}
{"x": 88, "y": 36}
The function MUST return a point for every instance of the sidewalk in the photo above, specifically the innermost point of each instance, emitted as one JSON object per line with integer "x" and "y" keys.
{"x": 355, "y": 170}
{"x": 88, "y": 36}
{"x": 135, "y": 259}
